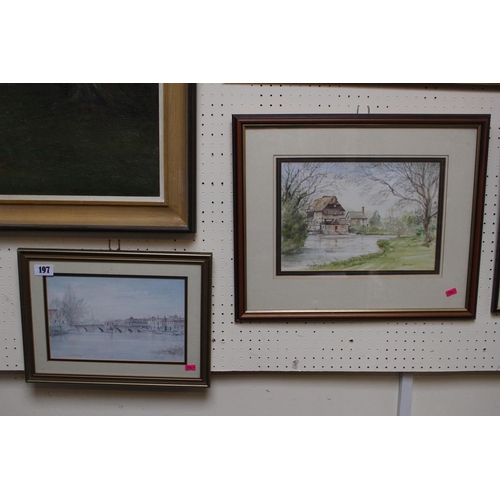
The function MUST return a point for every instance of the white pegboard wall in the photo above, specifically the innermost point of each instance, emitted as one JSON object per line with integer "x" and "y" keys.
{"x": 375, "y": 346}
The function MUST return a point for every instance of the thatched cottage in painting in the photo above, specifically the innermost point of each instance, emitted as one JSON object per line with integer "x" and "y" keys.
{"x": 327, "y": 216}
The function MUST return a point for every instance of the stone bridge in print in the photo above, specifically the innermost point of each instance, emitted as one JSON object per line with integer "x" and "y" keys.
{"x": 90, "y": 327}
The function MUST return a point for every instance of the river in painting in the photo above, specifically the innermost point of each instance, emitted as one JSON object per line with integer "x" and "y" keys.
{"x": 322, "y": 249}
{"x": 115, "y": 346}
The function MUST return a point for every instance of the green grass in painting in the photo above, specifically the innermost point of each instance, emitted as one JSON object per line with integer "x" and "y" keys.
{"x": 398, "y": 254}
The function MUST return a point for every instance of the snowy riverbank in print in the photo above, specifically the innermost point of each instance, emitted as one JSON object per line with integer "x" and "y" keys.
{"x": 323, "y": 249}
{"x": 125, "y": 346}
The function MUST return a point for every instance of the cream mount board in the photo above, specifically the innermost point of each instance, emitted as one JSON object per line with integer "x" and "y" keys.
{"x": 350, "y": 346}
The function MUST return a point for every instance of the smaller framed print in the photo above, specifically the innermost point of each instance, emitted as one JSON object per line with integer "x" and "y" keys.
{"x": 116, "y": 318}
{"x": 351, "y": 216}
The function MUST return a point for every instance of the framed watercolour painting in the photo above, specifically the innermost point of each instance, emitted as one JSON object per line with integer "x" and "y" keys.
{"x": 94, "y": 156}
{"x": 116, "y": 318}
{"x": 350, "y": 216}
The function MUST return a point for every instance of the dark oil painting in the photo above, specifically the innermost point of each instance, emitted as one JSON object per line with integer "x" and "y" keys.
{"x": 79, "y": 139}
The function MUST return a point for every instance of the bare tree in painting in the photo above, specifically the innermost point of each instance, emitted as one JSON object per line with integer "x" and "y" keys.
{"x": 300, "y": 181}
{"x": 56, "y": 317}
{"x": 410, "y": 182}
{"x": 72, "y": 308}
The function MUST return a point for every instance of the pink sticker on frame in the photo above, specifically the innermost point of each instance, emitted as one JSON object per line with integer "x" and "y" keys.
{"x": 451, "y": 291}
{"x": 189, "y": 368}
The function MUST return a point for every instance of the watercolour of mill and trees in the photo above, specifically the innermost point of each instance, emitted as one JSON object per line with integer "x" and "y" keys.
{"x": 359, "y": 216}
{"x": 123, "y": 318}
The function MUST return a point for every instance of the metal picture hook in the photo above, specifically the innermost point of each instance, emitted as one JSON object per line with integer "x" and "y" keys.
{"x": 357, "y": 112}
{"x": 109, "y": 245}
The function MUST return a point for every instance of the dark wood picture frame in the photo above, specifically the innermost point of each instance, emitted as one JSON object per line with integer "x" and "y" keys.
{"x": 495, "y": 295}
{"x": 77, "y": 333}
{"x": 175, "y": 212}
{"x": 259, "y": 140}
